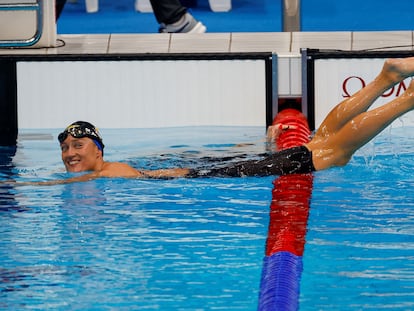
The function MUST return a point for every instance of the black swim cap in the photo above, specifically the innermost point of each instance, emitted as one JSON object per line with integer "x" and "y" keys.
{"x": 80, "y": 129}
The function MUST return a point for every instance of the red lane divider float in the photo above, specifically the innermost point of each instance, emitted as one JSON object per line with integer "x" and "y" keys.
{"x": 289, "y": 210}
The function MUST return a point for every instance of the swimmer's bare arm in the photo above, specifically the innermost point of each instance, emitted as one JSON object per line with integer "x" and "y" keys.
{"x": 114, "y": 170}
{"x": 109, "y": 169}
{"x": 167, "y": 173}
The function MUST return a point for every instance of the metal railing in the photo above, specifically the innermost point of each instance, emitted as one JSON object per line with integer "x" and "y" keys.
{"x": 36, "y": 7}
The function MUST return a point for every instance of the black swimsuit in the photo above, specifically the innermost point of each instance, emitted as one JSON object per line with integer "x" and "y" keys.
{"x": 296, "y": 160}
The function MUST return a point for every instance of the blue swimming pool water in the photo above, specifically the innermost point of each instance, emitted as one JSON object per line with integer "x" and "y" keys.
{"x": 117, "y": 244}
{"x": 360, "y": 244}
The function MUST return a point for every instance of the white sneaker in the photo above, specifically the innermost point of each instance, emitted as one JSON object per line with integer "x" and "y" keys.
{"x": 186, "y": 24}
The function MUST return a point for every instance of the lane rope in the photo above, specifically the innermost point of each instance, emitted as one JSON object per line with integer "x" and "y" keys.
{"x": 289, "y": 211}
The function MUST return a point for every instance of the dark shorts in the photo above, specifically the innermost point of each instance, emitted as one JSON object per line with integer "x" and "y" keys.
{"x": 296, "y": 160}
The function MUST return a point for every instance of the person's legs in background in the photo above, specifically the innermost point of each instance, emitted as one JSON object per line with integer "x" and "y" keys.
{"x": 59, "y": 7}
{"x": 174, "y": 18}
{"x": 170, "y": 14}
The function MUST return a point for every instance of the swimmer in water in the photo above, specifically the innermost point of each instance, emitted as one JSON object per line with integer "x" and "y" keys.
{"x": 348, "y": 127}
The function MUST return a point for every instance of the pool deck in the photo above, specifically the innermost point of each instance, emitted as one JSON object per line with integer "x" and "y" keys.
{"x": 285, "y": 44}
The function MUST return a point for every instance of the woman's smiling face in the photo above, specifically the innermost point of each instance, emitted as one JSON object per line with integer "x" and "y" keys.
{"x": 80, "y": 154}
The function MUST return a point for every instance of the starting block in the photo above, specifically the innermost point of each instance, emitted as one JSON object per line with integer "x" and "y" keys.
{"x": 29, "y": 23}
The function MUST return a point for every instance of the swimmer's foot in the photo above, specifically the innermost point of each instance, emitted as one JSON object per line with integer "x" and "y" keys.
{"x": 397, "y": 69}
{"x": 274, "y": 131}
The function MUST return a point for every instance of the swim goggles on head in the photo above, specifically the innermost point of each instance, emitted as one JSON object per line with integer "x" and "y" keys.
{"x": 82, "y": 129}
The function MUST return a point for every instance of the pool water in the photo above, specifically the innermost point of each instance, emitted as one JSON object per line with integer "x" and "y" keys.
{"x": 198, "y": 244}
{"x": 360, "y": 242}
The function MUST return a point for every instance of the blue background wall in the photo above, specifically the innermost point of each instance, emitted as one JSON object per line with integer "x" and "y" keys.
{"x": 119, "y": 16}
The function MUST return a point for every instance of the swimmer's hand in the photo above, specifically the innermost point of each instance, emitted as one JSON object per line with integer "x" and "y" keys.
{"x": 83, "y": 178}
{"x": 274, "y": 131}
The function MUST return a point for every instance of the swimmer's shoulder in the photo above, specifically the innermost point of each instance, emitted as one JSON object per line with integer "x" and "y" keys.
{"x": 118, "y": 169}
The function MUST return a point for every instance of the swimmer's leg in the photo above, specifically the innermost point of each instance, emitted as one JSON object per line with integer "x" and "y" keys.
{"x": 361, "y": 129}
{"x": 393, "y": 72}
